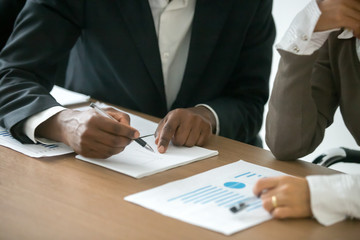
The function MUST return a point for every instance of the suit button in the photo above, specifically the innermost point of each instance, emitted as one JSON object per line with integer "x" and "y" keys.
{"x": 166, "y": 55}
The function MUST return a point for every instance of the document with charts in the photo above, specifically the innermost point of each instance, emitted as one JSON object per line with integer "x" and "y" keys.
{"x": 205, "y": 199}
{"x": 138, "y": 162}
{"x": 33, "y": 150}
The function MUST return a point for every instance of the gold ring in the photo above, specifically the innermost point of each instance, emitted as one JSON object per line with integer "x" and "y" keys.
{"x": 274, "y": 201}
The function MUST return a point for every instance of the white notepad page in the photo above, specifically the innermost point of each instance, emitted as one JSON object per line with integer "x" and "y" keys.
{"x": 138, "y": 162}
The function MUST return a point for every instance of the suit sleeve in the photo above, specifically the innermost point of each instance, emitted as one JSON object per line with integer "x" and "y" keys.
{"x": 302, "y": 104}
{"x": 44, "y": 33}
{"x": 241, "y": 106}
{"x": 9, "y": 9}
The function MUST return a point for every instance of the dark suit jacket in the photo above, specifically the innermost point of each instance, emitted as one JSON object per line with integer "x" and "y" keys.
{"x": 115, "y": 58}
{"x": 9, "y": 9}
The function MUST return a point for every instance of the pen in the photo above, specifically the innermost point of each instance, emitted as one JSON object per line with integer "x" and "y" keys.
{"x": 138, "y": 140}
{"x": 243, "y": 204}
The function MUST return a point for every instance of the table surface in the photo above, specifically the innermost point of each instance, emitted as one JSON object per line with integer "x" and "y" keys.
{"x": 66, "y": 198}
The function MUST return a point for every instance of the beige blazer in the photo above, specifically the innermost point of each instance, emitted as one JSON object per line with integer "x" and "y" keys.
{"x": 307, "y": 91}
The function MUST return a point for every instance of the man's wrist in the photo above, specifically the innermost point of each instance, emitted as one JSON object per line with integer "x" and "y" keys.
{"x": 34, "y": 121}
{"x": 212, "y": 116}
{"x": 52, "y": 127}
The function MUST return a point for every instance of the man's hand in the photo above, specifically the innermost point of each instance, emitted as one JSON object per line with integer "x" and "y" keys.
{"x": 292, "y": 196}
{"x": 185, "y": 127}
{"x": 89, "y": 133}
{"x": 338, "y": 14}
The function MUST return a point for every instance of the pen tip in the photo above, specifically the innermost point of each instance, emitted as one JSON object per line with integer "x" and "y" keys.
{"x": 149, "y": 148}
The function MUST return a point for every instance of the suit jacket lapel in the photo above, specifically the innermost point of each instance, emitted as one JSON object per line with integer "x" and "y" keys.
{"x": 207, "y": 24}
{"x": 137, "y": 15}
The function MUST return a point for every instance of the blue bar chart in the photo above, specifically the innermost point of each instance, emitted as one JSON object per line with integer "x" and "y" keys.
{"x": 5, "y": 133}
{"x": 33, "y": 150}
{"x": 227, "y": 195}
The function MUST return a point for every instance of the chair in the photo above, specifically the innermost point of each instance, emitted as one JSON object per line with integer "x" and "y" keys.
{"x": 336, "y": 155}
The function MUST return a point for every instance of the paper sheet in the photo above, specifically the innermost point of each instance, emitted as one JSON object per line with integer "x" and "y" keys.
{"x": 66, "y": 97}
{"x": 33, "y": 150}
{"x": 138, "y": 162}
{"x": 205, "y": 199}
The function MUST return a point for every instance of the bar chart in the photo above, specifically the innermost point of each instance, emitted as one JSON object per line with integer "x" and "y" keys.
{"x": 226, "y": 195}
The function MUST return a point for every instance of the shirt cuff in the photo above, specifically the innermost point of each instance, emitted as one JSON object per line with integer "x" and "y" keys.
{"x": 217, "y": 130}
{"x": 331, "y": 197}
{"x": 34, "y": 121}
{"x": 300, "y": 38}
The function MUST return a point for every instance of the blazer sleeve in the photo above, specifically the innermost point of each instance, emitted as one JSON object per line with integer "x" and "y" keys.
{"x": 241, "y": 106}
{"x": 44, "y": 33}
{"x": 9, "y": 9}
{"x": 302, "y": 104}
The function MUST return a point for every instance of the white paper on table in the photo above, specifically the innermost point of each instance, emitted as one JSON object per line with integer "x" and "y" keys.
{"x": 67, "y": 97}
{"x": 205, "y": 199}
{"x": 33, "y": 150}
{"x": 138, "y": 162}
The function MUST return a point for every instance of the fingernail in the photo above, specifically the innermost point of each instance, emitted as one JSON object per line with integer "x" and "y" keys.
{"x": 161, "y": 149}
{"x": 136, "y": 134}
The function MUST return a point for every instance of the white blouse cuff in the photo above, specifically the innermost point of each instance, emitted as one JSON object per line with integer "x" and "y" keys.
{"x": 300, "y": 38}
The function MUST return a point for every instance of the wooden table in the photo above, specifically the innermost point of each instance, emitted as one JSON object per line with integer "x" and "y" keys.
{"x": 65, "y": 198}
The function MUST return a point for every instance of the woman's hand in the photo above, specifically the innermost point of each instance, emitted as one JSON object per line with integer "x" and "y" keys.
{"x": 339, "y": 14}
{"x": 285, "y": 196}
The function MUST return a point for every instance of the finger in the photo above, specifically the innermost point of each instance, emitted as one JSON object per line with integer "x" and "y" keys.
{"x": 201, "y": 139}
{"x": 267, "y": 200}
{"x": 351, "y": 15}
{"x": 264, "y": 184}
{"x": 353, "y": 4}
{"x": 94, "y": 149}
{"x": 338, "y": 14}
{"x": 167, "y": 132}
{"x": 204, "y": 135}
{"x": 103, "y": 142}
{"x": 195, "y": 132}
{"x": 283, "y": 212}
{"x": 182, "y": 134}
{"x": 119, "y": 116}
{"x": 158, "y": 130}
{"x": 193, "y": 137}
{"x": 115, "y": 128}
{"x": 110, "y": 140}
{"x": 354, "y": 25}
{"x": 95, "y": 132}
{"x": 100, "y": 153}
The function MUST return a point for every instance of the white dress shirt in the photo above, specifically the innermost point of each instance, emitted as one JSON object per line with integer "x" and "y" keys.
{"x": 301, "y": 39}
{"x": 173, "y": 21}
{"x": 335, "y": 197}
{"x": 173, "y": 27}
